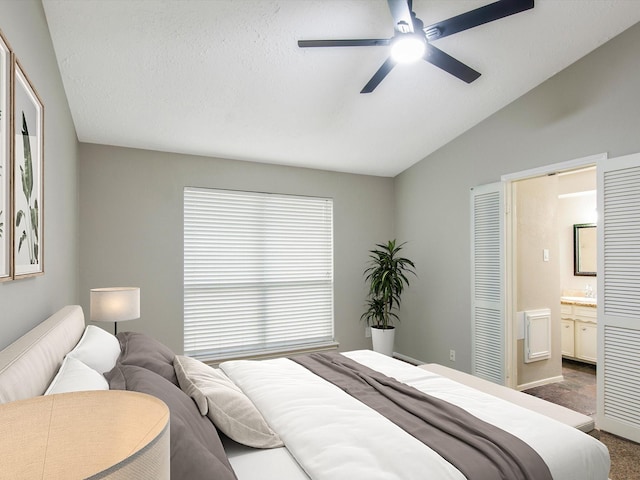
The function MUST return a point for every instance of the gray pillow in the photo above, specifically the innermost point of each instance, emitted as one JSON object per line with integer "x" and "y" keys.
{"x": 196, "y": 450}
{"x": 147, "y": 352}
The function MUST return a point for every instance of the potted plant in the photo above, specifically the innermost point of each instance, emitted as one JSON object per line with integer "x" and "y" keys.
{"x": 387, "y": 277}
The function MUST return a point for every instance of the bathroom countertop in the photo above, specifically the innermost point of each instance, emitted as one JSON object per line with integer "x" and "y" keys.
{"x": 587, "y": 302}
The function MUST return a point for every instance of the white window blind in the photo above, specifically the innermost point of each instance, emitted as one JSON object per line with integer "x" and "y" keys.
{"x": 258, "y": 272}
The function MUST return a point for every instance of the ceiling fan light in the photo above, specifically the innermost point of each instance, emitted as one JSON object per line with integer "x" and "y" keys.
{"x": 408, "y": 48}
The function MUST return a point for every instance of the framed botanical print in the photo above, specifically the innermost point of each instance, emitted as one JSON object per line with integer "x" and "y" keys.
{"x": 6, "y": 79}
{"x": 28, "y": 177}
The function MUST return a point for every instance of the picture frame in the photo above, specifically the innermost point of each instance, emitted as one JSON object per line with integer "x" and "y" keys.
{"x": 6, "y": 161}
{"x": 28, "y": 177}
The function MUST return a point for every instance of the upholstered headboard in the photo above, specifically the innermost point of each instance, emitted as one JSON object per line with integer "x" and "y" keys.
{"x": 28, "y": 365}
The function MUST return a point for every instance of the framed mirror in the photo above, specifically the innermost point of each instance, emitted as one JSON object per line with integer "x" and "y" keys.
{"x": 584, "y": 249}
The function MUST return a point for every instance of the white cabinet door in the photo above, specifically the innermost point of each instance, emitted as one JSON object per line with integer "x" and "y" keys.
{"x": 586, "y": 335}
{"x": 567, "y": 338}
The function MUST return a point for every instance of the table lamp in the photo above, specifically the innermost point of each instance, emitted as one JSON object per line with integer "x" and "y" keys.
{"x": 114, "y": 304}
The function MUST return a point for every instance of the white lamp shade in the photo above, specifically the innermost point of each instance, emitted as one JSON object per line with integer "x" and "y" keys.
{"x": 116, "y": 304}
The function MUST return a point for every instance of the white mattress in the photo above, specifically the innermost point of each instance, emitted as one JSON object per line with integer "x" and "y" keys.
{"x": 349, "y": 439}
{"x": 557, "y": 412}
{"x": 255, "y": 464}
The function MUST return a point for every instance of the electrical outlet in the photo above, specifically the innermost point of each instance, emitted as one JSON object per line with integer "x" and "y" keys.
{"x": 367, "y": 332}
{"x": 452, "y": 355}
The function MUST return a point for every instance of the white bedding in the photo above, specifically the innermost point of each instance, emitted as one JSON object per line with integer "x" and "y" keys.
{"x": 332, "y": 435}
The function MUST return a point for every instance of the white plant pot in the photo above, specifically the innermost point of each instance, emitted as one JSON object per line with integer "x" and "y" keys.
{"x": 383, "y": 340}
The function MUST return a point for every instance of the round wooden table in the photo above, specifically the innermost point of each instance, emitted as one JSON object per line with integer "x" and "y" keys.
{"x": 109, "y": 434}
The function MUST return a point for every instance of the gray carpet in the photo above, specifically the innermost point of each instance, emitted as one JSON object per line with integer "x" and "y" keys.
{"x": 578, "y": 392}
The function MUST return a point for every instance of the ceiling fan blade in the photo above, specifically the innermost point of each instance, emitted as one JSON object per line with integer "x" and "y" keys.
{"x": 379, "y": 76}
{"x": 361, "y": 42}
{"x": 449, "y": 64}
{"x": 401, "y": 13}
{"x": 479, "y": 16}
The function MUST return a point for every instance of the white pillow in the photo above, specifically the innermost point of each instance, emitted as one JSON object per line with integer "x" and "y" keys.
{"x": 97, "y": 349}
{"x": 75, "y": 376}
{"x": 224, "y": 403}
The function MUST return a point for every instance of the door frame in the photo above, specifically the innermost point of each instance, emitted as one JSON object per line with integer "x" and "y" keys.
{"x": 510, "y": 246}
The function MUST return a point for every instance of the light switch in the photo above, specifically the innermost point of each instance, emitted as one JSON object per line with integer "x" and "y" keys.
{"x": 545, "y": 255}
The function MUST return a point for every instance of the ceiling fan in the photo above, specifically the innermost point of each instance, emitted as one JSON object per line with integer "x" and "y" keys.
{"x": 412, "y": 40}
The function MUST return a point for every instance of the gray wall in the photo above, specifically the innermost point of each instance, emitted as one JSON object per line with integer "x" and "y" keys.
{"x": 25, "y": 303}
{"x": 591, "y": 107}
{"x": 132, "y": 234}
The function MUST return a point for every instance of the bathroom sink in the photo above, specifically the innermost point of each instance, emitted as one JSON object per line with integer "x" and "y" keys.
{"x": 589, "y": 300}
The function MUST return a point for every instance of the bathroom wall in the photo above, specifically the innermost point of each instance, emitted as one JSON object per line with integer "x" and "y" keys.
{"x": 576, "y": 204}
{"x": 538, "y": 280}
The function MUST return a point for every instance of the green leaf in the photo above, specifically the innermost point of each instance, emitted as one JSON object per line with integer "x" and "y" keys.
{"x": 23, "y": 237}
{"x": 24, "y": 187}
{"x": 34, "y": 218}
{"x": 27, "y": 174}
{"x": 19, "y": 216}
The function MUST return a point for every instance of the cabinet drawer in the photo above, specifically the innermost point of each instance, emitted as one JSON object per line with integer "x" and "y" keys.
{"x": 587, "y": 312}
{"x": 566, "y": 309}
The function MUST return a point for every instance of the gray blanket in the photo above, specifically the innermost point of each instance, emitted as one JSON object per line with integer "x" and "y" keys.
{"x": 478, "y": 449}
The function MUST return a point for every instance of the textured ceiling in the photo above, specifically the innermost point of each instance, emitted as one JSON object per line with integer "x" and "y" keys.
{"x": 225, "y": 78}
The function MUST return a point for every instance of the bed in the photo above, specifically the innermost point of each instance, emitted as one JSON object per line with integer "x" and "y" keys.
{"x": 306, "y": 427}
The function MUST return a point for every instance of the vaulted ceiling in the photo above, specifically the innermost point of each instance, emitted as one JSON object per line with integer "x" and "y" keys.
{"x": 225, "y": 78}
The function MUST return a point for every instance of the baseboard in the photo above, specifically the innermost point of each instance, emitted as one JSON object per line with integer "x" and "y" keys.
{"x": 407, "y": 359}
{"x": 539, "y": 383}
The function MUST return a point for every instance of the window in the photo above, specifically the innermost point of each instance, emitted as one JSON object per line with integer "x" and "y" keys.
{"x": 258, "y": 273}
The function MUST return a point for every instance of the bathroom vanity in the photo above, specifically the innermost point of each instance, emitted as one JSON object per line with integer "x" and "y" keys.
{"x": 579, "y": 328}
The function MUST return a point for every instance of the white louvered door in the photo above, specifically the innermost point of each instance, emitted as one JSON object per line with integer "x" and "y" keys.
{"x": 619, "y": 296}
{"x": 487, "y": 283}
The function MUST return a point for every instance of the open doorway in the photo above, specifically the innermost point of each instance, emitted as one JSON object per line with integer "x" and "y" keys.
{"x": 547, "y": 285}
